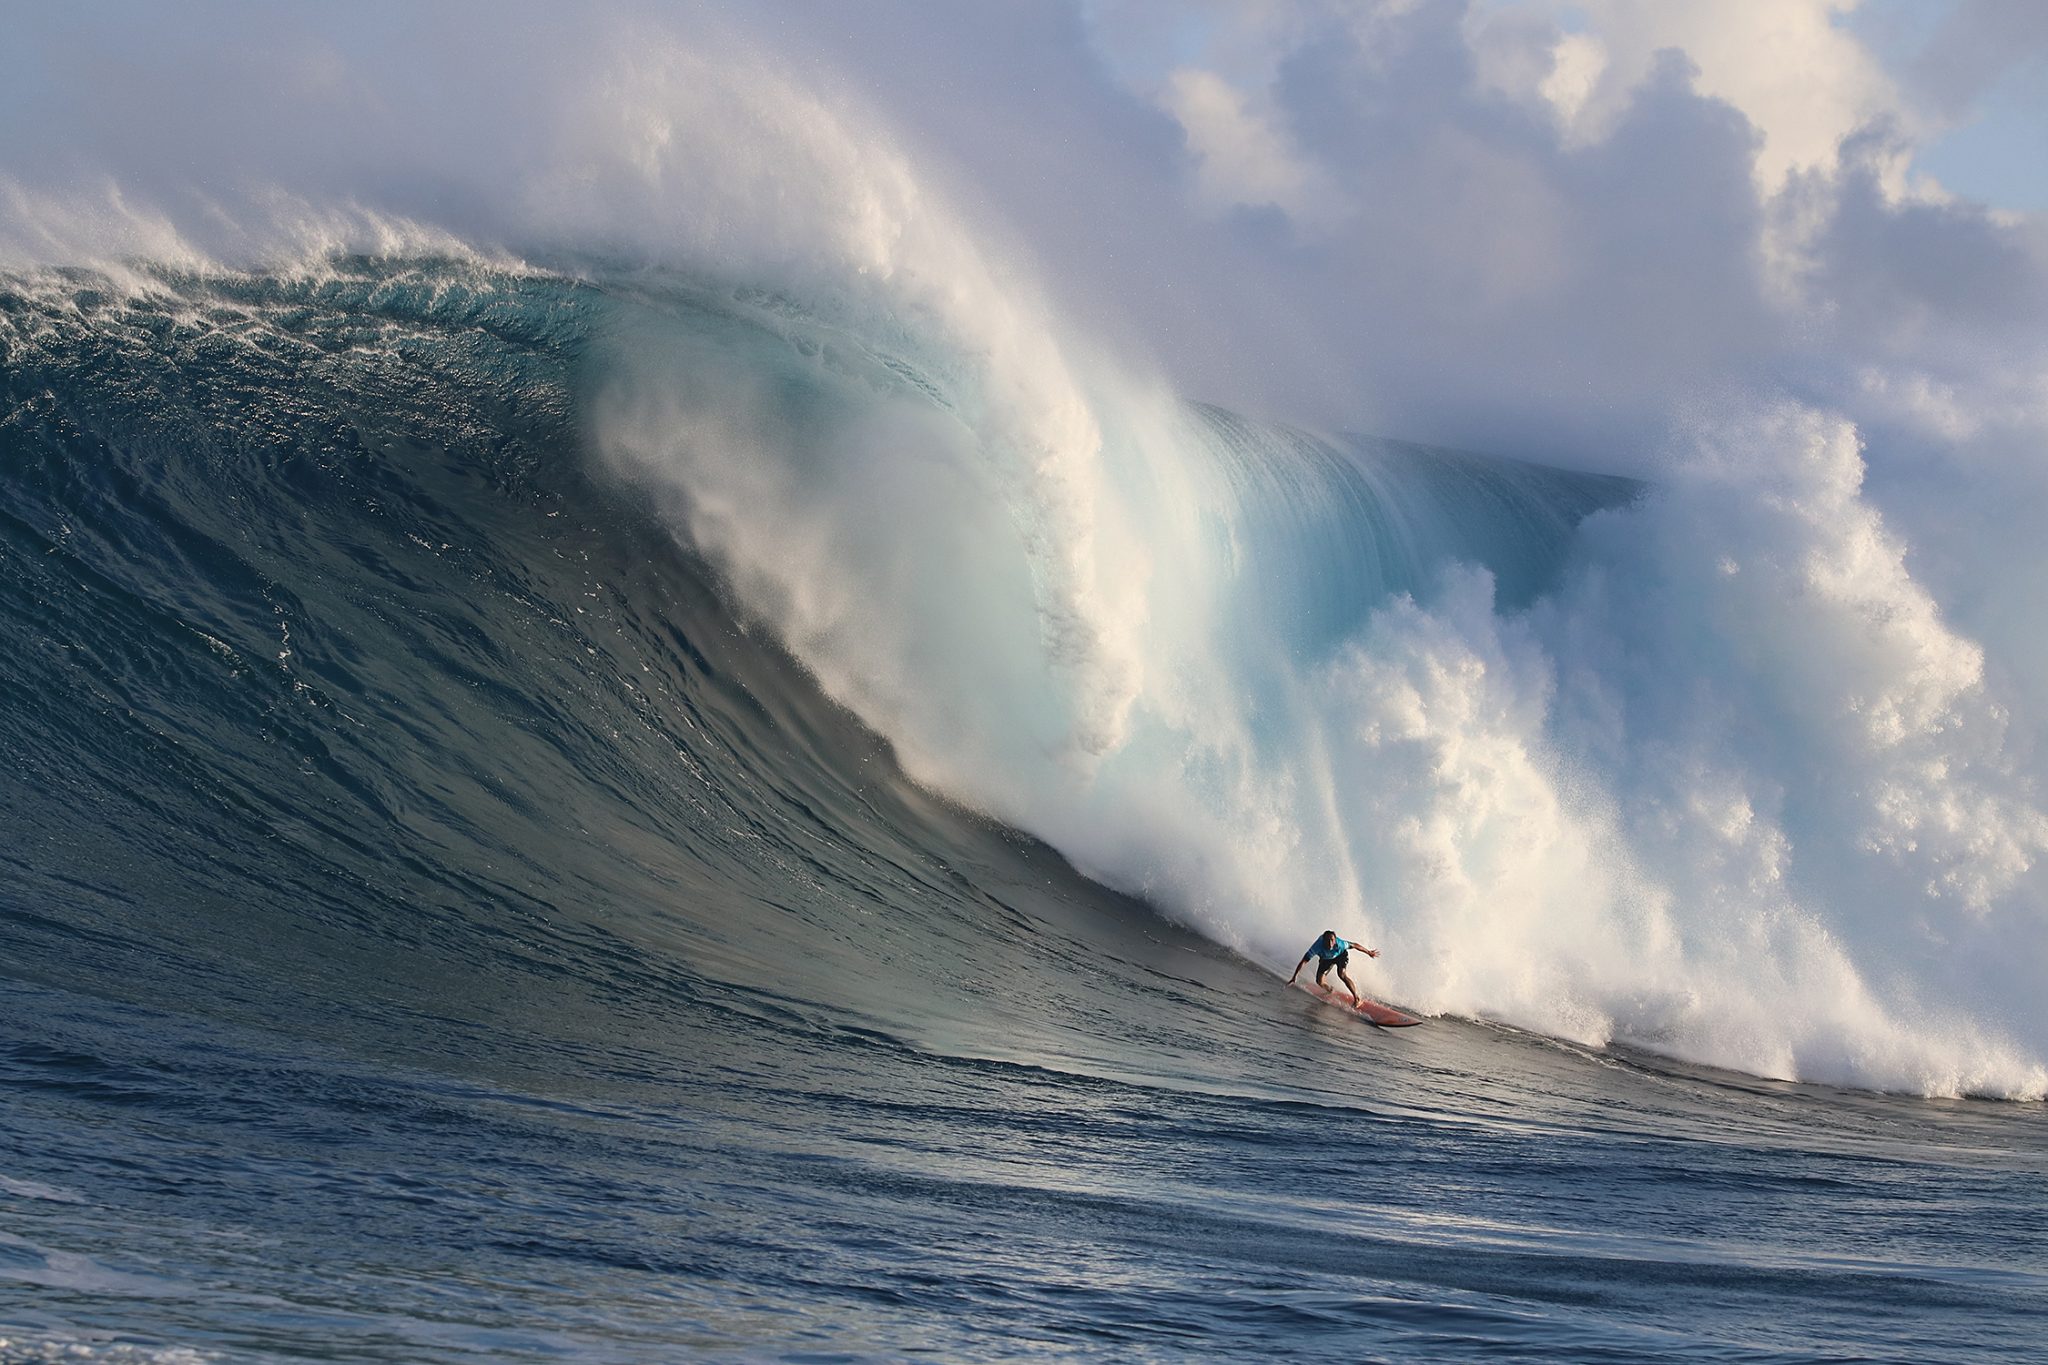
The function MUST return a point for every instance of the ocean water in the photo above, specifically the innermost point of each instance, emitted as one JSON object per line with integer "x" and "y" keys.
{"x": 547, "y": 814}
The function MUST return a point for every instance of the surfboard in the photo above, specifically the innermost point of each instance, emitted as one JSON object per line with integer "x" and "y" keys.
{"x": 1386, "y": 1016}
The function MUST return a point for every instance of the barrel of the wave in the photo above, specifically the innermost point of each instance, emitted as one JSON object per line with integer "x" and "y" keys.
{"x": 1332, "y": 953}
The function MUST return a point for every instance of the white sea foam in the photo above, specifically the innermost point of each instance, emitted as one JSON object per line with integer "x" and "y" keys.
{"x": 35, "y": 1189}
{"x": 30, "y": 1348}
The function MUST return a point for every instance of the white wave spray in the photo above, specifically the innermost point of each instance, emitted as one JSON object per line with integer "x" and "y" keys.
{"x": 1732, "y": 789}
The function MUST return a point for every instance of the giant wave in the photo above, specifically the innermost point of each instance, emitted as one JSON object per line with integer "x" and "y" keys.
{"x": 1614, "y": 764}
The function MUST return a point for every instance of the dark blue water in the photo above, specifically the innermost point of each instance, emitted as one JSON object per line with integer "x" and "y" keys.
{"x": 436, "y": 926}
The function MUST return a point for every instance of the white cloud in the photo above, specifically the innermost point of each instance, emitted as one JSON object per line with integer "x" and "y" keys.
{"x": 1244, "y": 158}
{"x": 1798, "y": 75}
{"x": 1578, "y": 62}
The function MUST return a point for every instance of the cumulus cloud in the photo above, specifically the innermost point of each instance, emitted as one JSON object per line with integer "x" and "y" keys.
{"x": 1243, "y": 157}
{"x": 1801, "y": 80}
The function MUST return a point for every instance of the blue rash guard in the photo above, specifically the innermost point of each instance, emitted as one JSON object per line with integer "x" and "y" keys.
{"x": 1316, "y": 949}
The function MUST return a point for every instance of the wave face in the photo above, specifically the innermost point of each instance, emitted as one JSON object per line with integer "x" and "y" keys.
{"x": 503, "y": 773}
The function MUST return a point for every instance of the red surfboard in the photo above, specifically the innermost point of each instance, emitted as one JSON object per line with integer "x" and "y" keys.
{"x": 1386, "y": 1016}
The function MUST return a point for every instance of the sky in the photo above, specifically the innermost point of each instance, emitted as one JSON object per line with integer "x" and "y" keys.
{"x": 1547, "y": 227}
{"x": 1982, "y": 69}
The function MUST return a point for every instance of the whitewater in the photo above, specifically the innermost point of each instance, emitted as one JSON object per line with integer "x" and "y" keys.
{"x": 703, "y": 772}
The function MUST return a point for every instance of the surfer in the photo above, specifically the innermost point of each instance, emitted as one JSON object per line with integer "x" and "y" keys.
{"x": 1331, "y": 951}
